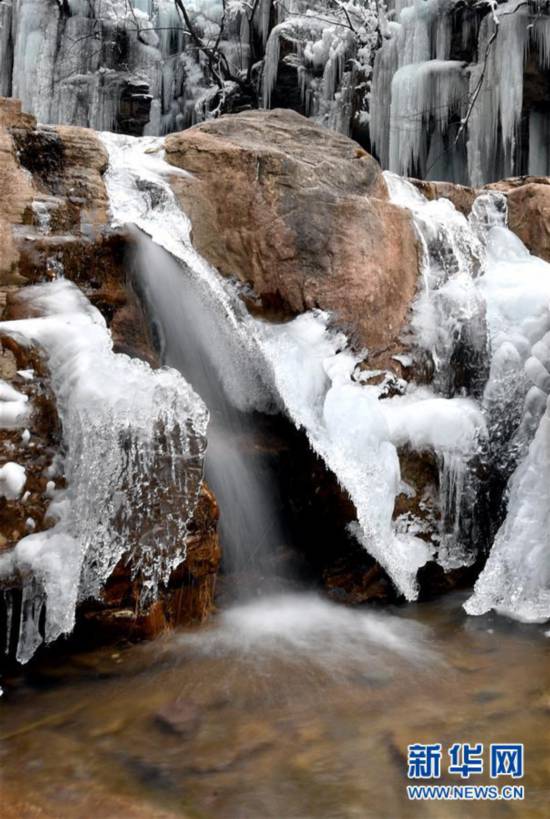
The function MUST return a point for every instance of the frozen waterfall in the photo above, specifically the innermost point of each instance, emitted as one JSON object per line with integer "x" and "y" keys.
{"x": 122, "y": 423}
{"x": 481, "y": 284}
{"x": 444, "y": 63}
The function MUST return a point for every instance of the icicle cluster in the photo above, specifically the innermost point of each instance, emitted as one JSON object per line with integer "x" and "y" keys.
{"x": 133, "y": 441}
{"x": 120, "y": 65}
{"x": 331, "y": 49}
{"x": 423, "y": 94}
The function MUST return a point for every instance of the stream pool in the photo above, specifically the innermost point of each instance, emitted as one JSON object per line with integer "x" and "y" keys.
{"x": 285, "y": 708}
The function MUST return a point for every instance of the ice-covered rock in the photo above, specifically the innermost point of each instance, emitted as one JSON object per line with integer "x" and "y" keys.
{"x": 122, "y": 424}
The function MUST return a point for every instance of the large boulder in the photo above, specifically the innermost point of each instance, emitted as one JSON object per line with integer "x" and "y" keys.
{"x": 303, "y": 215}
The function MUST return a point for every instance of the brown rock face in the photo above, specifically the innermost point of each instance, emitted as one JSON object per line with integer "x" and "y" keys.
{"x": 302, "y": 214}
{"x": 15, "y": 191}
{"x": 188, "y": 597}
{"x": 461, "y": 196}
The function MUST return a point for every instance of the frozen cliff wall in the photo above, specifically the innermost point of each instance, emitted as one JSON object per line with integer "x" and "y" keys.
{"x": 460, "y": 91}
{"x": 105, "y": 64}
{"x": 438, "y": 89}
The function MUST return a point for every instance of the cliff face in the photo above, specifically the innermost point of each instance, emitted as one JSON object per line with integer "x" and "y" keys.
{"x": 54, "y": 222}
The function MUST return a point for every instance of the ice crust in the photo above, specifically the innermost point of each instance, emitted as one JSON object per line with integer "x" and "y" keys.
{"x": 133, "y": 441}
{"x": 491, "y": 288}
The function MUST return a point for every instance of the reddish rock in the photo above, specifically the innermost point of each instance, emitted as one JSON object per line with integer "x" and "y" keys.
{"x": 461, "y": 196}
{"x": 302, "y": 214}
{"x": 54, "y": 220}
{"x": 16, "y": 191}
{"x": 29, "y": 512}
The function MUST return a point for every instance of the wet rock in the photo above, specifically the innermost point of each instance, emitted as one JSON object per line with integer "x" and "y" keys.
{"x": 461, "y": 196}
{"x": 528, "y": 199}
{"x": 187, "y": 598}
{"x": 180, "y": 717}
{"x": 33, "y": 446}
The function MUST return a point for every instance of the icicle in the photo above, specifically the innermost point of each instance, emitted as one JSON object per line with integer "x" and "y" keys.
{"x": 8, "y": 602}
{"x": 516, "y": 579}
{"x": 6, "y": 48}
{"x": 32, "y": 605}
{"x": 539, "y": 143}
{"x": 271, "y": 64}
{"x": 497, "y": 109}
{"x": 421, "y": 92}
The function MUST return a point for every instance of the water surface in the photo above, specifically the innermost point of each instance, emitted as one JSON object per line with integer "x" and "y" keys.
{"x": 284, "y": 708}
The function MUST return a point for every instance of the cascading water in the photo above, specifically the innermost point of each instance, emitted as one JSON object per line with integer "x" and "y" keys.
{"x": 467, "y": 319}
{"x": 197, "y": 340}
{"x": 493, "y": 283}
{"x": 356, "y": 434}
{"x": 207, "y": 333}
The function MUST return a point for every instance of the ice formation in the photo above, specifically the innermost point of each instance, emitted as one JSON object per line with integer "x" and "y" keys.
{"x": 132, "y": 65}
{"x": 12, "y": 480}
{"x": 494, "y": 290}
{"x": 14, "y": 407}
{"x": 516, "y": 579}
{"x": 122, "y": 65}
{"x": 122, "y": 424}
{"x": 422, "y": 90}
{"x": 357, "y": 434}
{"x": 438, "y": 88}
{"x": 331, "y": 50}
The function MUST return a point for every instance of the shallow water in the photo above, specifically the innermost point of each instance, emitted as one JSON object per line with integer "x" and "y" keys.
{"x": 285, "y": 708}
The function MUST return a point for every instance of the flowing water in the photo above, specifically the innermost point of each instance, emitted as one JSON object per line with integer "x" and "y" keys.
{"x": 289, "y": 707}
{"x": 196, "y": 339}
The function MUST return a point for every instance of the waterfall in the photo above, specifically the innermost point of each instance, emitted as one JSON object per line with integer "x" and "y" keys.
{"x": 197, "y": 339}
{"x": 346, "y": 423}
{"x": 207, "y": 333}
